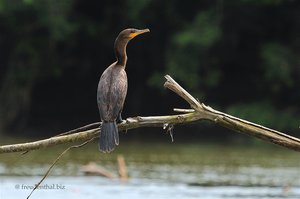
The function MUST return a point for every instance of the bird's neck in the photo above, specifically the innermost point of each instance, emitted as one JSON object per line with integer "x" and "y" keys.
{"x": 120, "y": 51}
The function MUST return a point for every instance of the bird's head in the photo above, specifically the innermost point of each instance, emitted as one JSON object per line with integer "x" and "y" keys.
{"x": 130, "y": 33}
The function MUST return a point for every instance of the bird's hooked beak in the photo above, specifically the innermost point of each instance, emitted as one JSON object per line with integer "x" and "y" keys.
{"x": 138, "y": 32}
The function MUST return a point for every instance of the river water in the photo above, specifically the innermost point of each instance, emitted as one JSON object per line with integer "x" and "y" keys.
{"x": 157, "y": 171}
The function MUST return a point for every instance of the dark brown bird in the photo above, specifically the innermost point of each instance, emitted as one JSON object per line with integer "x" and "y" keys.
{"x": 112, "y": 90}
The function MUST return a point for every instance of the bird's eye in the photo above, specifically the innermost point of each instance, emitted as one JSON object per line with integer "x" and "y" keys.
{"x": 132, "y": 31}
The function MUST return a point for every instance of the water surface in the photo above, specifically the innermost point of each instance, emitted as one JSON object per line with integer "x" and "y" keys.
{"x": 178, "y": 170}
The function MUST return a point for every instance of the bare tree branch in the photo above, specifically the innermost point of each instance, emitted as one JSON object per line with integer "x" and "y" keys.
{"x": 198, "y": 112}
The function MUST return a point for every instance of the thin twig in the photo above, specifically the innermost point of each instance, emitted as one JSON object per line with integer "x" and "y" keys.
{"x": 52, "y": 165}
{"x": 181, "y": 110}
{"x": 83, "y": 128}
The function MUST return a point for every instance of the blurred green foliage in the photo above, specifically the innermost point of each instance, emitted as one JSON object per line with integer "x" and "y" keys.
{"x": 188, "y": 52}
{"x": 278, "y": 66}
{"x": 241, "y": 55}
{"x": 264, "y": 113}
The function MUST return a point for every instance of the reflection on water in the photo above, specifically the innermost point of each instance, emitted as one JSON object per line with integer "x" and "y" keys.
{"x": 157, "y": 171}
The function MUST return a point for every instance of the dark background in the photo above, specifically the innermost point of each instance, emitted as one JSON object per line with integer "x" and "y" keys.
{"x": 239, "y": 56}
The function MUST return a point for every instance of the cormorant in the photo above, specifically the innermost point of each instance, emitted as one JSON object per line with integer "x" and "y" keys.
{"x": 112, "y": 89}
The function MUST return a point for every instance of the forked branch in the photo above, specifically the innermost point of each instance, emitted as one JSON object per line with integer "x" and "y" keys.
{"x": 198, "y": 112}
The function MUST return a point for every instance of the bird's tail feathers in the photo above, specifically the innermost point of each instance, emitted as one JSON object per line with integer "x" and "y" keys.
{"x": 109, "y": 137}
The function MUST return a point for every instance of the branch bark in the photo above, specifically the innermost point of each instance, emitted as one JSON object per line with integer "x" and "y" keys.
{"x": 198, "y": 112}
